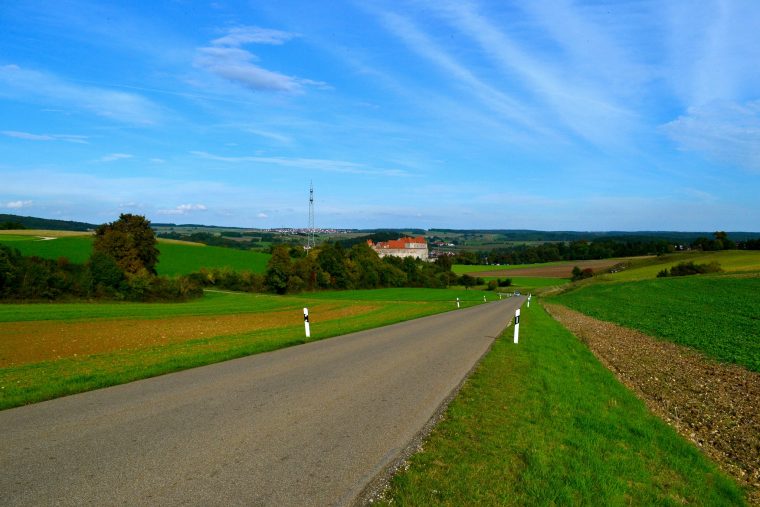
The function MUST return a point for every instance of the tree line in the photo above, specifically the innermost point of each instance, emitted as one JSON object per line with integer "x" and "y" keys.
{"x": 331, "y": 266}
{"x": 125, "y": 254}
{"x": 598, "y": 249}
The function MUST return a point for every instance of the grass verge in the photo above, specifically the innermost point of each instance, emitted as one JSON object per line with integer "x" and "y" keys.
{"x": 544, "y": 423}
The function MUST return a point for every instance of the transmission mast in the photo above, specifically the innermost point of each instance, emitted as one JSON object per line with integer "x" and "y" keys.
{"x": 310, "y": 243}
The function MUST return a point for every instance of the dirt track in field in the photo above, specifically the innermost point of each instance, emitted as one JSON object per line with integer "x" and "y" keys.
{"x": 32, "y": 342}
{"x": 564, "y": 271}
{"x": 714, "y": 405}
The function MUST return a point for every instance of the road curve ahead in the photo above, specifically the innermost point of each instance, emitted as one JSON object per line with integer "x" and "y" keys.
{"x": 307, "y": 425}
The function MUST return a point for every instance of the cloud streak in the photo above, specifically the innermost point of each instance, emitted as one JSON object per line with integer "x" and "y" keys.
{"x": 49, "y": 89}
{"x": 45, "y": 137}
{"x": 312, "y": 164}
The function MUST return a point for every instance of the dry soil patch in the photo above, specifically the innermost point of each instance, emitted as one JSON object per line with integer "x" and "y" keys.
{"x": 32, "y": 342}
{"x": 715, "y": 405}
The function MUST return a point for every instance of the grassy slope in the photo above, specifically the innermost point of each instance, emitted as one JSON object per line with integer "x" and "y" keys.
{"x": 543, "y": 423}
{"x": 732, "y": 261}
{"x": 175, "y": 258}
{"x": 50, "y": 379}
{"x": 717, "y": 315}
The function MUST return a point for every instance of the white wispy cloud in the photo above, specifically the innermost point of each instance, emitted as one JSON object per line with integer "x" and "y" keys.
{"x": 262, "y": 215}
{"x": 568, "y": 96}
{"x": 271, "y": 135}
{"x": 115, "y": 156}
{"x": 46, "y": 137}
{"x": 253, "y": 35}
{"x": 316, "y": 164}
{"x": 723, "y": 131}
{"x": 228, "y": 60}
{"x": 496, "y": 99}
{"x": 18, "y": 204}
{"x": 183, "y": 209}
{"x": 49, "y": 89}
{"x": 712, "y": 50}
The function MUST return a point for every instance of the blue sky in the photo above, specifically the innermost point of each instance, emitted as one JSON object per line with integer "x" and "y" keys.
{"x": 554, "y": 115}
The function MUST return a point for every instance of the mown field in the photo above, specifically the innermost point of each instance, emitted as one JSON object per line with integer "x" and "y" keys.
{"x": 176, "y": 257}
{"x": 51, "y": 350}
{"x": 544, "y": 423}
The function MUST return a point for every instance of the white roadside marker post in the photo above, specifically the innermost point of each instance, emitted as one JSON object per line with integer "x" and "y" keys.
{"x": 499, "y": 296}
{"x": 517, "y": 324}
{"x": 484, "y": 299}
{"x": 528, "y": 300}
{"x": 306, "y": 322}
{"x": 457, "y": 302}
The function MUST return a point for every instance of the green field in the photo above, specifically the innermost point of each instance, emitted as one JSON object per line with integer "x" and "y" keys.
{"x": 718, "y": 315}
{"x": 543, "y": 423}
{"x": 36, "y": 381}
{"x": 732, "y": 261}
{"x": 175, "y": 258}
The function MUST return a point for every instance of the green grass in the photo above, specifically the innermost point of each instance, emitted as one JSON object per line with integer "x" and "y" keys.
{"x": 543, "y": 423}
{"x": 45, "y": 380}
{"x": 717, "y": 315}
{"x": 76, "y": 248}
{"x": 175, "y": 258}
{"x": 178, "y": 259}
{"x": 733, "y": 261}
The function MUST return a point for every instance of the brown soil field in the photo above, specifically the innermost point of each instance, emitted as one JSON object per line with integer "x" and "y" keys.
{"x": 563, "y": 271}
{"x": 712, "y": 404}
{"x": 32, "y": 342}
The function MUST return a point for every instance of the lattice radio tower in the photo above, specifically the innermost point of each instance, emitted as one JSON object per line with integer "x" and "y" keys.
{"x": 310, "y": 243}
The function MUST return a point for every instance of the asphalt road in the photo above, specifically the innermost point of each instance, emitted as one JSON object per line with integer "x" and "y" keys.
{"x": 307, "y": 425}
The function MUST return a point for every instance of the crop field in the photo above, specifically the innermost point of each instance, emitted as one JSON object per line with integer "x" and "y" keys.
{"x": 544, "y": 423}
{"x": 717, "y": 315}
{"x": 176, "y": 258}
{"x": 50, "y": 350}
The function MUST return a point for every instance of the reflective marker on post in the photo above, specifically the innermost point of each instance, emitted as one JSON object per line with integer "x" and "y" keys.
{"x": 528, "y": 300}
{"x": 306, "y": 322}
{"x": 484, "y": 299}
{"x": 457, "y": 302}
{"x": 517, "y": 324}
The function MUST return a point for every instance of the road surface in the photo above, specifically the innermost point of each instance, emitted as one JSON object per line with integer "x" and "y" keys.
{"x": 307, "y": 425}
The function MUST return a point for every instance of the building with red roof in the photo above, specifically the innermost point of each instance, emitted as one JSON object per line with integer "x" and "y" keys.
{"x": 402, "y": 247}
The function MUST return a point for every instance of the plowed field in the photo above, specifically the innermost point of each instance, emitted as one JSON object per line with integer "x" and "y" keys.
{"x": 32, "y": 342}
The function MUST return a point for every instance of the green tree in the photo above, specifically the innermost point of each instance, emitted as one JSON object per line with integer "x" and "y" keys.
{"x": 130, "y": 241}
{"x": 279, "y": 270}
